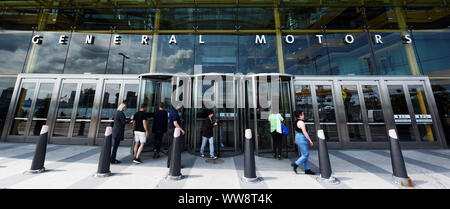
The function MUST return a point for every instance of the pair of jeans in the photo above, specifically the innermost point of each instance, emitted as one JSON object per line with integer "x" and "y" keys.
{"x": 302, "y": 144}
{"x": 211, "y": 145}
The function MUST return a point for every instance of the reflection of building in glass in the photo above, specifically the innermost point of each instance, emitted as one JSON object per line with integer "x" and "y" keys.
{"x": 351, "y": 51}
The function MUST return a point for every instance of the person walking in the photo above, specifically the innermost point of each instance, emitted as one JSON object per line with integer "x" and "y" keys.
{"x": 175, "y": 121}
{"x": 275, "y": 120}
{"x": 159, "y": 128}
{"x": 207, "y": 135}
{"x": 302, "y": 140}
{"x": 118, "y": 131}
{"x": 140, "y": 132}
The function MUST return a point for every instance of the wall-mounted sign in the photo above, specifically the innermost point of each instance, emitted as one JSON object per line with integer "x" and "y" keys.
{"x": 259, "y": 39}
{"x": 402, "y": 118}
{"x": 420, "y": 118}
{"x": 423, "y": 118}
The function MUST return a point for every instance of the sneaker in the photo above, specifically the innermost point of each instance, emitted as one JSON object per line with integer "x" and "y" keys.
{"x": 202, "y": 155}
{"x": 294, "y": 166}
{"x": 214, "y": 157}
{"x": 279, "y": 157}
{"x": 309, "y": 172}
{"x": 137, "y": 161}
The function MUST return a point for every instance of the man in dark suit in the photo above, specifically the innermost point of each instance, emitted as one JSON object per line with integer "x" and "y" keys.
{"x": 159, "y": 128}
{"x": 175, "y": 121}
{"x": 118, "y": 131}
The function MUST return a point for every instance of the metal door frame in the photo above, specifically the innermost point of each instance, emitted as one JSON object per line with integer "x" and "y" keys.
{"x": 381, "y": 82}
{"x": 164, "y": 78}
{"x": 252, "y": 79}
{"x": 363, "y": 111}
{"x": 69, "y": 137}
{"x": 235, "y": 94}
{"x": 10, "y": 117}
{"x": 121, "y": 82}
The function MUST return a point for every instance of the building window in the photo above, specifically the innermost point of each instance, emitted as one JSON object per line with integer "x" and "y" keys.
{"x": 131, "y": 55}
{"x": 258, "y": 57}
{"x": 305, "y": 56}
{"x": 217, "y": 53}
{"x": 174, "y": 57}
{"x": 177, "y": 19}
{"x": 87, "y": 58}
{"x": 256, "y": 19}
{"x": 353, "y": 58}
{"x": 13, "y": 50}
{"x": 432, "y": 51}
{"x": 390, "y": 54}
{"x": 49, "y": 56}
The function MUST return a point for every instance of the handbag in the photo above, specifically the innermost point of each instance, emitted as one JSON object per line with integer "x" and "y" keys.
{"x": 284, "y": 130}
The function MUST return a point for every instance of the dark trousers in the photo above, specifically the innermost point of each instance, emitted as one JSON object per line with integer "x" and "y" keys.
{"x": 277, "y": 141}
{"x": 114, "y": 150}
{"x": 180, "y": 141}
{"x": 158, "y": 140}
{"x": 170, "y": 132}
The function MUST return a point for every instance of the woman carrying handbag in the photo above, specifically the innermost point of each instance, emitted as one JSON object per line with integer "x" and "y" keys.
{"x": 276, "y": 130}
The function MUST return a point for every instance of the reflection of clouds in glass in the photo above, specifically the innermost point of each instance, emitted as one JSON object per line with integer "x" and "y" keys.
{"x": 83, "y": 57}
{"x": 13, "y": 50}
{"x": 50, "y": 55}
{"x": 12, "y": 62}
{"x": 138, "y": 53}
{"x": 173, "y": 60}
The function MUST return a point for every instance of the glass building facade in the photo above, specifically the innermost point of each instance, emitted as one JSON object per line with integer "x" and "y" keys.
{"x": 69, "y": 64}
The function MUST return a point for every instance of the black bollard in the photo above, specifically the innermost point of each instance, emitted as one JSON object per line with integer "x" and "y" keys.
{"x": 249, "y": 159}
{"x": 400, "y": 176}
{"x": 175, "y": 158}
{"x": 324, "y": 160}
{"x": 37, "y": 165}
{"x": 105, "y": 156}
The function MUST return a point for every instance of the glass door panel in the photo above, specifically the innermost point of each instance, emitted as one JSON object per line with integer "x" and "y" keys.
{"x": 84, "y": 110}
{"x": 110, "y": 103}
{"x": 402, "y": 118}
{"x": 65, "y": 109}
{"x": 41, "y": 108}
{"x": 153, "y": 92}
{"x": 352, "y": 106}
{"x": 326, "y": 109}
{"x": 263, "y": 95}
{"x": 129, "y": 98}
{"x": 303, "y": 102}
{"x": 286, "y": 110}
{"x": 226, "y": 115}
{"x": 374, "y": 113}
{"x": 421, "y": 113}
{"x": 23, "y": 109}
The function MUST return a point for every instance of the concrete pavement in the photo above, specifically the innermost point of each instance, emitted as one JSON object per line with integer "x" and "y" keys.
{"x": 73, "y": 167}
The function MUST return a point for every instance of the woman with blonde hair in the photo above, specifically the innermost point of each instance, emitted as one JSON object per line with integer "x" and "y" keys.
{"x": 118, "y": 130}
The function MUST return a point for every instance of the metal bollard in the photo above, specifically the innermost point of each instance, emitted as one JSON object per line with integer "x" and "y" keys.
{"x": 175, "y": 159}
{"x": 249, "y": 159}
{"x": 400, "y": 175}
{"x": 104, "y": 162}
{"x": 37, "y": 165}
{"x": 324, "y": 160}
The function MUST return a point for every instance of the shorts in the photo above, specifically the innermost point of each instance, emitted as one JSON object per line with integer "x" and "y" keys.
{"x": 140, "y": 137}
